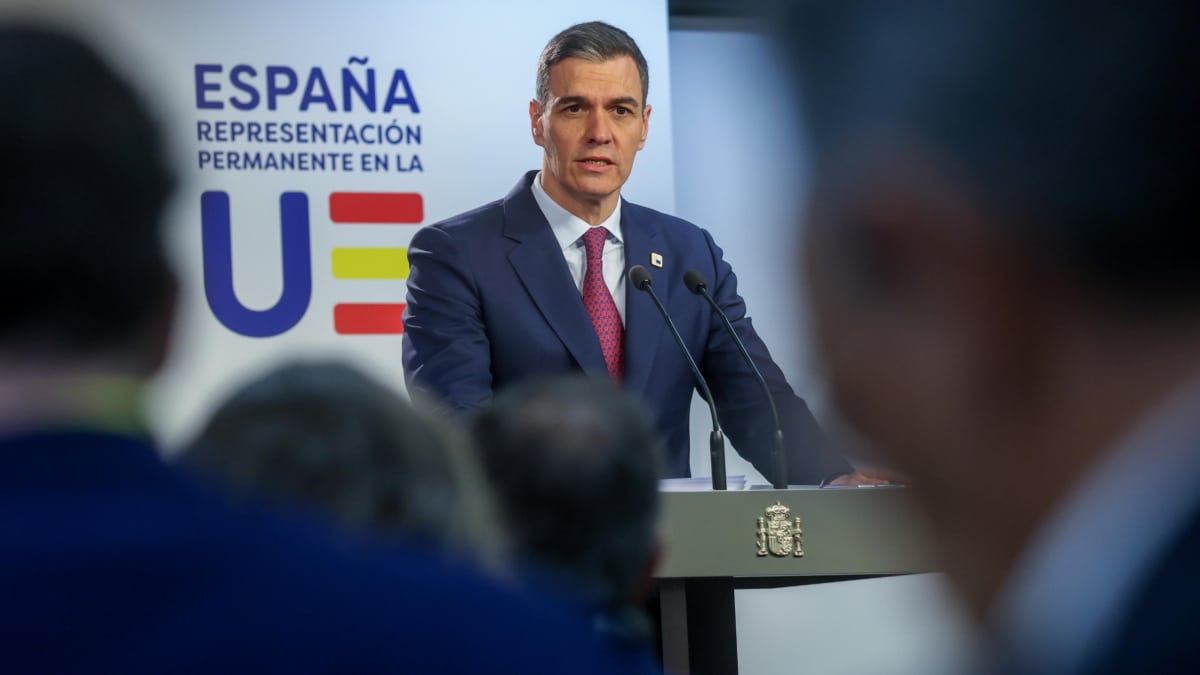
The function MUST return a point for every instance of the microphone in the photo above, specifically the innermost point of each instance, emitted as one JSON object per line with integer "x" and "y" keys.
{"x": 640, "y": 278}
{"x": 696, "y": 284}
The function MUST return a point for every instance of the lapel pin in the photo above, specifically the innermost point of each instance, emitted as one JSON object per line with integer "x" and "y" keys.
{"x": 656, "y": 259}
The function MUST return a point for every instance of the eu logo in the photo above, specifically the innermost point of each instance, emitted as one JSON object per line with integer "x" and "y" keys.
{"x": 346, "y": 262}
{"x": 218, "y": 267}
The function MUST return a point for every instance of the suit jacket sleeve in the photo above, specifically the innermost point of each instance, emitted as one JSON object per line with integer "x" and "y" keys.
{"x": 744, "y": 410}
{"x": 446, "y": 350}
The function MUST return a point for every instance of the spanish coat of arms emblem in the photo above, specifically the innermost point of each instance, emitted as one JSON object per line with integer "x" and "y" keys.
{"x": 777, "y": 535}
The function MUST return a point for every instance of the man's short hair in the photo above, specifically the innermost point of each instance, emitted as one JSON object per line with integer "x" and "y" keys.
{"x": 1080, "y": 119}
{"x": 82, "y": 185}
{"x": 593, "y": 41}
{"x": 575, "y": 466}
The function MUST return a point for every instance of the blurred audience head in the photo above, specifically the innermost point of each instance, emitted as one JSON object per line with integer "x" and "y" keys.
{"x": 1001, "y": 248}
{"x": 575, "y": 466}
{"x": 325, "y": 435}
{"x": 83, "y": 181}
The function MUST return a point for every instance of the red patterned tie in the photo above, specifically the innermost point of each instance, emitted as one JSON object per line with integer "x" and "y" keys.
{"x": 600, "y": 305}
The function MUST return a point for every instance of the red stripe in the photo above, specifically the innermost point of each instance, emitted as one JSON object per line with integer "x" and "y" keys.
{"x": 368, "y": 319}
{"x": 376, "y": 207}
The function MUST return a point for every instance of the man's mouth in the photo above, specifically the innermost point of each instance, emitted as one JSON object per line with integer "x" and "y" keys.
{"x": 595, "y": 163}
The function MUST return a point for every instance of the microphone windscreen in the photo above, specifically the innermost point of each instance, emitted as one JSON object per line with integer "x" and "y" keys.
{"x": 694, "y": 281}
{"x": 640, "y": 277}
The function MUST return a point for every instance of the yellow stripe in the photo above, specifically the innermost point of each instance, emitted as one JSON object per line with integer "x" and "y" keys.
{"x": 370, "y": 263}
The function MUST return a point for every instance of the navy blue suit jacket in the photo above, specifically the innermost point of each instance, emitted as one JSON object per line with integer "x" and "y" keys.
{"x": 491, "y": 302}
{"x": 1160, "y": 632}
{"x": 114, "y": 563}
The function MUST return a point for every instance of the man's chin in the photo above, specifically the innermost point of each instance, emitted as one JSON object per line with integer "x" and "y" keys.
{"x": 597, "y": 188}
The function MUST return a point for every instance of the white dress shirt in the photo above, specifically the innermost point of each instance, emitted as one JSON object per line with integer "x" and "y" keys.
{"x": 1077, "y": 579}
{"x": 569, "y": 230}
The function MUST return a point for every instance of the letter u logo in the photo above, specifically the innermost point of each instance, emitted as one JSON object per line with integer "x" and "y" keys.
{"x": 218, "y": 267}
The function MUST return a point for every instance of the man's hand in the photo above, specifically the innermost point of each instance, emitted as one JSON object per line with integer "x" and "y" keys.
{"x": 867, "y": 476}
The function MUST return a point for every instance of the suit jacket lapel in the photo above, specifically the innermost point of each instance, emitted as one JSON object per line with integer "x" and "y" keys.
{"x": 643, "y": 325}
{"x": 539, "y": 263}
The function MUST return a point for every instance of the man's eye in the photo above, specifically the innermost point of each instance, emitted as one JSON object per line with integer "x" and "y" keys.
{"x": 573, "y": 109}
{"x": 622, "y": 110}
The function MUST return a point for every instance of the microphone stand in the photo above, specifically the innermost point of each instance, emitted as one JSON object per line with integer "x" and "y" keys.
{"x": 640, "y": 278}
{"x": 696, "y": 284}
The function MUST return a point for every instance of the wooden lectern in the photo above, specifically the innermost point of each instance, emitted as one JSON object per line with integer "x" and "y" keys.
{"x": 717, "y": 542}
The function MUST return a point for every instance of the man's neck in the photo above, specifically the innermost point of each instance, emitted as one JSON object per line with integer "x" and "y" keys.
{"x": 590, "y": 211}
{"x": 1104, "y": 383}
{"x": 51, "y": 393}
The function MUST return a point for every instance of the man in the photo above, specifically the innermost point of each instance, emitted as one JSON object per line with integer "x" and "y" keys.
{"x": 1003, "y": 259}
{"x": 111, "y": 561}
{"x": 535, "y": 283}
{"x": 575, "y": 464}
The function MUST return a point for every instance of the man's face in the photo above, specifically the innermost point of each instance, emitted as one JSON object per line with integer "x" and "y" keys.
{"x": 592, "y": 124}
{"x": 900, "y": 364}
{"x": 864, "y": 346}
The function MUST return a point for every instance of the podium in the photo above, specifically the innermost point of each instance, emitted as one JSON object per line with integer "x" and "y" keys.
{"x": 717, "y": 542}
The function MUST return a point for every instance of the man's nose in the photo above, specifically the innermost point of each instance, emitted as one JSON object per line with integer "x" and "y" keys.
{"x": 598, "y": 129}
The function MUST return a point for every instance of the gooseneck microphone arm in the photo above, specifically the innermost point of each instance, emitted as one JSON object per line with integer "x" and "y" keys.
{"x": 640, "y": 278}
{"x": 696, "y": 284}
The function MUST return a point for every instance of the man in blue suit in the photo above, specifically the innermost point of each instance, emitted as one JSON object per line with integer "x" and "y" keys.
{"x": 535, "y": 283}
{"x": 114, "y": 563}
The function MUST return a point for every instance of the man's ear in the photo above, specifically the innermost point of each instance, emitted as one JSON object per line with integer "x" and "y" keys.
{"x": 535, "y": 121}
{"x": 648, "y": 582}
{"x": 645, "y": 126}
{"x": 154, "y": 345}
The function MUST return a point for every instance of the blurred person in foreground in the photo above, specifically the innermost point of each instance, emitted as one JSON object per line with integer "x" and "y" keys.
{"x": 1005, "y": 266}
{"x": 326, "y": 435}
{"x": 575, "y": 466}
{"x": 112, "y": 561}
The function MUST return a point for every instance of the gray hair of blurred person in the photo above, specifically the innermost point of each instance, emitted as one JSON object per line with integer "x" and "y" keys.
{"x": 326, "y": 435}
{"x": 593, "y": 41}
{"x": 1075, "y": 121}
{"x": 575, "y": 467}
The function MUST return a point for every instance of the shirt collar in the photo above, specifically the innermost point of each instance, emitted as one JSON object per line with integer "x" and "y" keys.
{"x": 75, "y": 394}
{"x": 567, "y": 227}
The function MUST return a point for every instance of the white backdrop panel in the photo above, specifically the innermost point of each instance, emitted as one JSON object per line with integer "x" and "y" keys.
{"x": 470, "y": 68}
